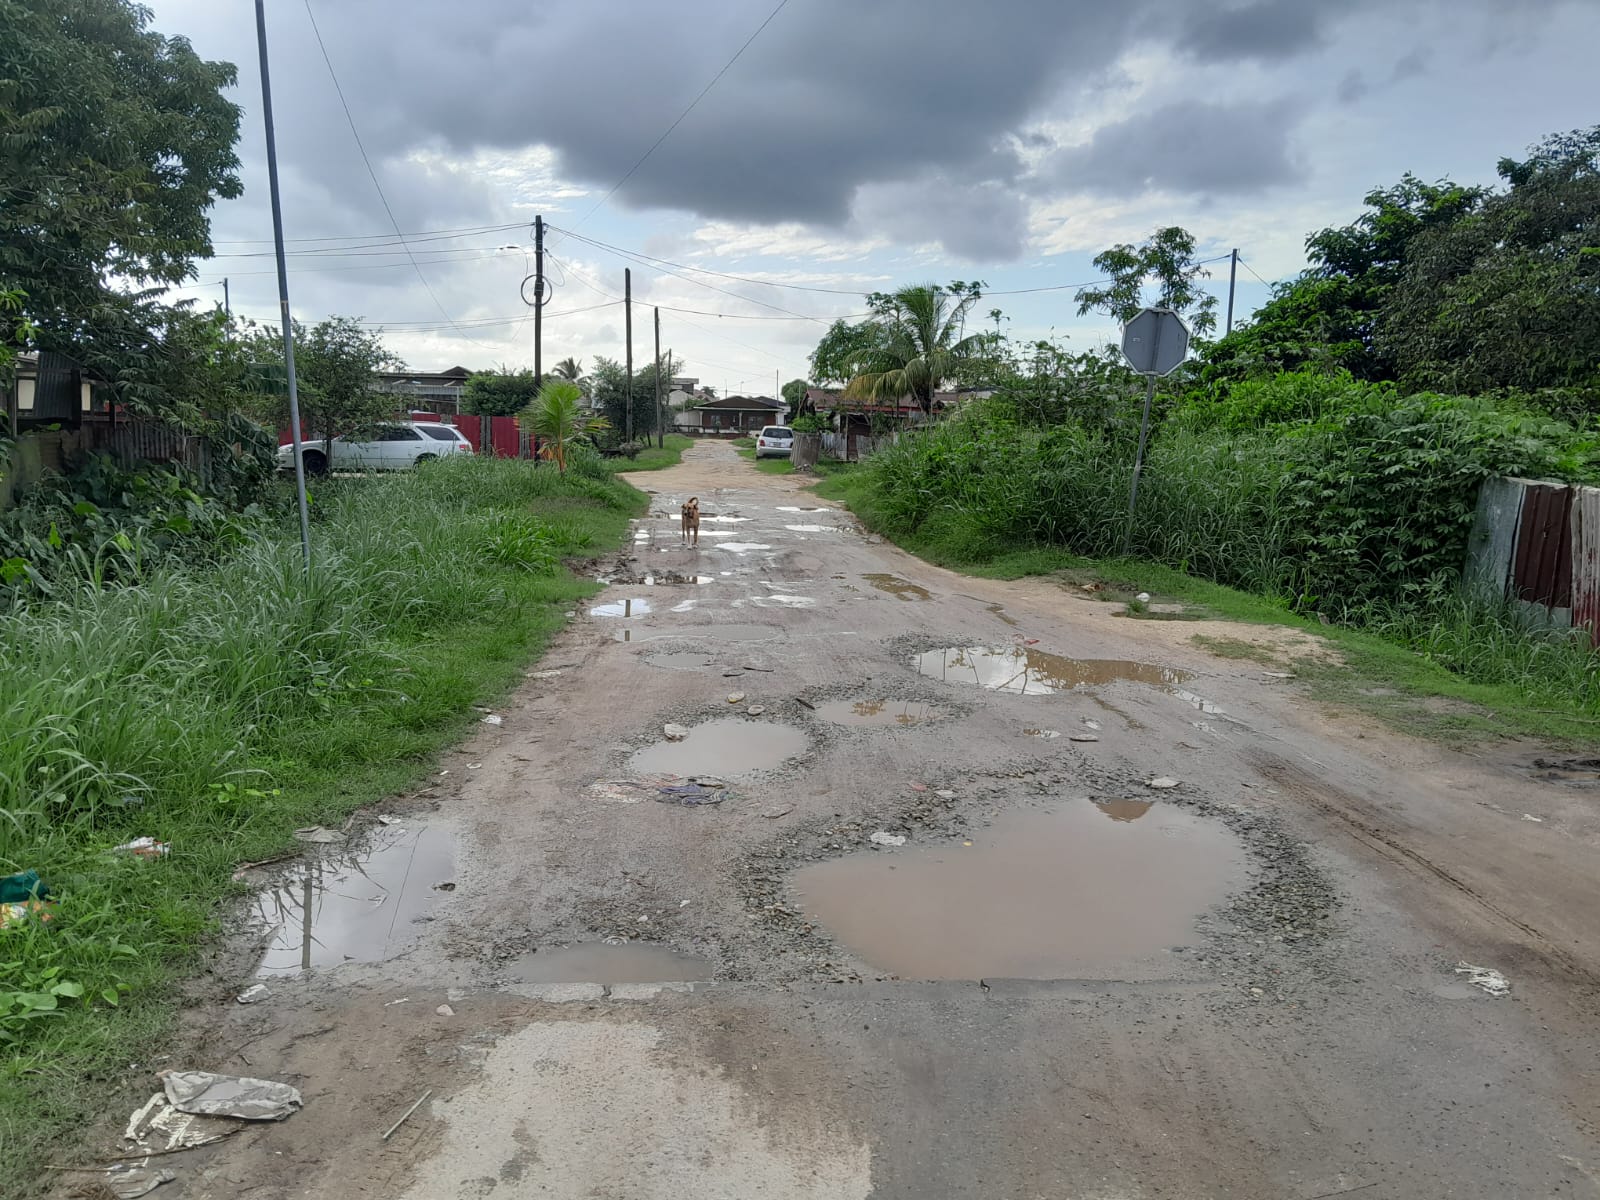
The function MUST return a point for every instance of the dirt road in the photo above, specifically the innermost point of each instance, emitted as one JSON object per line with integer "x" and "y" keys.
{"x": 951, "y": 888}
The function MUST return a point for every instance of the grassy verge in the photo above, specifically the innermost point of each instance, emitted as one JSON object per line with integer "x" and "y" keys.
{"x": 782, "y": 466}
{"x": 217, "y": 707}
{"x": 1418, "y": 692}
{"x": 655, "y": 458}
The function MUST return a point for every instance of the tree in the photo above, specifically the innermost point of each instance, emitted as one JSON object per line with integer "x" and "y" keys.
{"x": 502, "y": 393}
{"x": 920, "y": 343}
{"x": 1165, "y": 260}
{"x": 794, "y": 395}
{"x": 841, "y": 348}
{"x": 114, "y": 143}
{"x": 1508, "y": 295}
{"x": 1328, "y": 316}
{"x": 557, "y": 419}
{"x": 570, "y": 369}
{"x": 336, "y": 362}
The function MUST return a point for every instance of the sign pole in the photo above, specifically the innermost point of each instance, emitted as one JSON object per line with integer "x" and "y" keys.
{"x": 1144, "y": 433}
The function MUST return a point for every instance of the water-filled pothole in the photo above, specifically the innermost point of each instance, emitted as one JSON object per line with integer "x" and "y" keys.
{"x": 1024, "y": 671}
{"x": 1037, "y": 895}
{"x": 683, "y": 660}
{"x": 622, "y": 608}
{"x": 732, "y": 633}
{"x": 597, "y": 962}
{"x": 742, "y": 547}
{"x": 730, "y": 746}
{"x": 355, "y": 907}
{"x": 900, "y": 589}
{"x": 879, "y": 712}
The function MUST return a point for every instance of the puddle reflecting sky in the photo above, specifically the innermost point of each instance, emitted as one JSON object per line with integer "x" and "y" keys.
{"x": 900, "y": 589}
{"x": 1037, "y": 895}
{"x": 875, "y": 712}
{"x": 621, "y": 608}
{"x": 355, "y": 907}
{"x": 731, "y": 746}
{"x": 1025, "y": 671}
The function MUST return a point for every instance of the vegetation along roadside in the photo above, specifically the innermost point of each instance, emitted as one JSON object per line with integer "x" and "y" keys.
{"x": 217, "y": 698}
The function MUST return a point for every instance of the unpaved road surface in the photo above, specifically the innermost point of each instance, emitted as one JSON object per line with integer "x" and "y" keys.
{"x": 1000, "y": 893}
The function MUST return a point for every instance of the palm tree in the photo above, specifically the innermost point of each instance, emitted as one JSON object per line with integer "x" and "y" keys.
{"x": 920, "y": 348}
{"x": 569, "y": 368}
{"x": 556, "y": 419}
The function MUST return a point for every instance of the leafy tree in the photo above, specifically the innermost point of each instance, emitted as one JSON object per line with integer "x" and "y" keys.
{"x": 920, "y": 343}
{"x": 794, "y": 395}
{"x": 1328, "y": 316}
{"x": 502, "y": 393}
{"x": 556, "y": 417}
{"x": 841, "y": 348}
{"x": 1165, "y": 260}
{"x": 1508, "y": 296}
{"x": 114, "y": 143}
{"x": 336, "y": 365}
{"x": 570, "y": 369}
{"x": 610, "y": 387}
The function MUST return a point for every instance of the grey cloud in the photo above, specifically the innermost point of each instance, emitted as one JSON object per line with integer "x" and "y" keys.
{"x": 978, "y": 222}
{"x": 1353, "y": 87}
{"x": 1411, "y": 65}
{"x": 1212, "y": 149}
{"x": 1267, "y": 29}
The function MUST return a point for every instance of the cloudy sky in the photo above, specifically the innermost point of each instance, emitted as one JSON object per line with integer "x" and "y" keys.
{"x": 853, "y": 145}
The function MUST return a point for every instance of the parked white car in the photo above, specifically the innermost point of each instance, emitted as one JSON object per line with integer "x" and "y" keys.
{"x": 396, "y": 447}
{"x": 776, "y": 441}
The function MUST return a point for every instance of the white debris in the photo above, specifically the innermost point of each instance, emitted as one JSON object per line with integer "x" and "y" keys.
{"x": 444, "y": 1010}
{"x": 253, "y": 994}
{"x": 735, "y": 697}
{"x": 1091, "y": 723}
{"x": 1161, "y": 783}
{"x": 494, "y": 719}
{"x": 209, "y": 1095}
{"x": 1486, "y": 978}
{"x": 945, "y": 794}
{"x": 1143, "y": 597}
{"x": 474, "y": 766}
{"x": 1531, "y": 817}
{"x": 755, "y": 710}
{"x": 885, "y": 838}
{"x": 144, "y": 847}
{"x": 674, "y": 733}
{"x": 1046, "y": 734}
{"x": 1084, "y": 737}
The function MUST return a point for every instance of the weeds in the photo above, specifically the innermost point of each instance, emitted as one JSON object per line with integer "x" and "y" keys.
{"x": 218, "y": 704}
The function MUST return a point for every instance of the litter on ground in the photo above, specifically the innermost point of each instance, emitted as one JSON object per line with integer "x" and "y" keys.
{"x": 205, "y": 1094}
{"x": 1486, "y": 978}
{"x": 885, "y": 838}
{"x": 1161, "y": 783}
{"x": 144, "y": 847}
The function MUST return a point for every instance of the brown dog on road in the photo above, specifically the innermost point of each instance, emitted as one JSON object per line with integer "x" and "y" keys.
{"x": 691, "y": 521}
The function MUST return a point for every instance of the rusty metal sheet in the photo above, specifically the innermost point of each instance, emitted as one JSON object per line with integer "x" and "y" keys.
{"x": 1585, "y": 552}
{"x": 1542, "y": 570}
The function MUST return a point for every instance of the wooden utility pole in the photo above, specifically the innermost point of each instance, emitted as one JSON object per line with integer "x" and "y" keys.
{"x": 661, "y": 423}
{"x": 627, "y": 307}
{"x": 538, "y": 300}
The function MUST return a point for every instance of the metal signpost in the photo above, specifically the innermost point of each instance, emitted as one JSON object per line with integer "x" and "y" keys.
{"x": 1154, "y": 342}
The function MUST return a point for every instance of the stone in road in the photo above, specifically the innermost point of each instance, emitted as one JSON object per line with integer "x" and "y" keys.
{"x": 698, "y": 973}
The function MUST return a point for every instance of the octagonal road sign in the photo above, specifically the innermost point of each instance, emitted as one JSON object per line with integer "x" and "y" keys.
{"x": 1155, "y": 341}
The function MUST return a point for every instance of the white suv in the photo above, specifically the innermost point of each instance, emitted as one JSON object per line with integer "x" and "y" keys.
{"x": 775, "y": 440}
{"x": 396, "y": 447}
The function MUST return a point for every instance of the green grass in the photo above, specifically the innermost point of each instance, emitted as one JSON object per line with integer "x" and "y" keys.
{"x": 1458, "y": 674}
{"x": 743, "y": 443}
{"x": 219, "y": 707}
{"x": 782, "y": 466}
{"x": 655, "y": 458}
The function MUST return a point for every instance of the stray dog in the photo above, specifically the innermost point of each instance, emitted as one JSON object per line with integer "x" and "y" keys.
{"x": 691, "y": 521}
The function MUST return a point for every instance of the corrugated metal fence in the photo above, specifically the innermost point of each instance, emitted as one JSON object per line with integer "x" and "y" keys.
{"x": 1538, "y": 543}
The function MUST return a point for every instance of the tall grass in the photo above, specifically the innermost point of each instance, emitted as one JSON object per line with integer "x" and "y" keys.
{"x": 218, "y": 706}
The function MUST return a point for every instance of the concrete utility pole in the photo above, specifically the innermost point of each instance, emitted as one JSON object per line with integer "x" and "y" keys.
{"x": 227, "y": 303}
{"x": 283, "y": 289}
{"x": 627, "y": 306}
{"x": 661, "y": 424}
{"x": 538, "y": 300}
{"x": 1233, "y": 275}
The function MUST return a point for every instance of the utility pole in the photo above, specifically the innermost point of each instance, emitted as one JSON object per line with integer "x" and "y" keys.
{"x": 227, "y": 306}
{"x": 1233, "y": 275}
{"x": 661, "y": 423}
{"x": 627, "y": 308}
{"x": 538, "y": 300}
{"x": 283, "y": 289}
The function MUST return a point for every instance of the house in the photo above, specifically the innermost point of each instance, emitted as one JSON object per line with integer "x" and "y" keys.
{"x": 427, "y": 391}
{"x": 904, "y": 411}
{"x": 730, "y": 414}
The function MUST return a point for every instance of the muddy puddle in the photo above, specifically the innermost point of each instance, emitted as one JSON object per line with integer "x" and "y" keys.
{"x": 792, "y": 508}
{"x": 1037, "y": 895}
{"x": 730, "y": 746}
{"x": 685, "y": 660}
{"x": 597, "y": 962}
{"x": 1027, "y": 672}
{"x": 732, "y": 633}
{"x": 880, "y": 713}
{"x": 357, "y": 906}
{"x": 900, "y": 589}
{"x": 742, "y": 547}
{"x": 621, "y": 608}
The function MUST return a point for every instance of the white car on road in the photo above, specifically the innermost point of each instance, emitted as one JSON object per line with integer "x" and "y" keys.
{"x": 395, "y": 447}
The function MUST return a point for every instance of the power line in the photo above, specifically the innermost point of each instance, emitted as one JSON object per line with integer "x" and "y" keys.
{"x": 656, "y": 145}
{"x": 460, "y": 230}
{"x": 1252, "y": 271}
{"x": 334, "y": 75}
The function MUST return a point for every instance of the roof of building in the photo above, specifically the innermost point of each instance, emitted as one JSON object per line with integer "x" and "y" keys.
{"x": 826, "y": 399}
{"x": 743, "y": 404}
{"x": 452, "y": 376}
